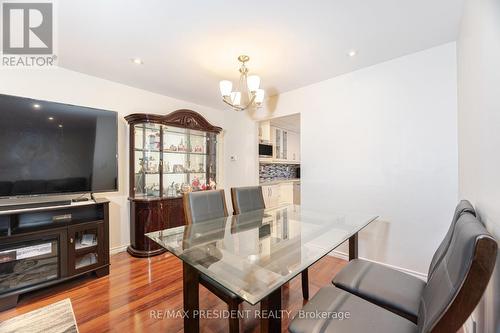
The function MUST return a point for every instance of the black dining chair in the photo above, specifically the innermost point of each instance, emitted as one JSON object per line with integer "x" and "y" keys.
{"x": 392, "y": 289}
{"x": 250, "y": 198}
{"x": 205, "y": 206}
{"x": 452, "y": 292}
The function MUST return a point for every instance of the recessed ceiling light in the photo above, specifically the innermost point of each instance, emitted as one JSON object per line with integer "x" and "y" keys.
{"x": 36, "y": 106}
{"x": 137, "y": 61}
{"x": 51, "y": 118}
{"x": 60, "y": 126}
{"x": 352, "y": 53}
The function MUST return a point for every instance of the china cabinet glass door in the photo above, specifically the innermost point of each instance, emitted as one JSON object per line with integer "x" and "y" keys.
{"x": 188, "y": 161}
{"x": 147, "y": 160}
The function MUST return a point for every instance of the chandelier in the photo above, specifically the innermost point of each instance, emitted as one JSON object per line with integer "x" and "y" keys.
{"x": 247, "y": 93}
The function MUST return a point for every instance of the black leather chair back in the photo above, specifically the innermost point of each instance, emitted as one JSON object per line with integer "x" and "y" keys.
{"x": 204, "y": 206}
{"x": 246, "y": 199}
{"x": 459, "y": 279}
{"x": 463, "y": 207}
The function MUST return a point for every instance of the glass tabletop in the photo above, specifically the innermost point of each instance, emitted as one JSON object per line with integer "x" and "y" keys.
{"x": 253, "y": 254}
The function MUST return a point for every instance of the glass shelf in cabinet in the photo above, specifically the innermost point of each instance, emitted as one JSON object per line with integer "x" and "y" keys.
{"x": 183, "y": 132}
{"x": 183, "y": 173}
{"x": 183, "y": 152}
{"x": 147, "y": 173}
{"x": 88, "y": 259}
{"x": 147, "y": 150}
{"x": 147, "y": 127}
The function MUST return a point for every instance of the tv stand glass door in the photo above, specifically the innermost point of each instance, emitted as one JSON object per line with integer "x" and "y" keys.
{"x": 26, "y": 263}
{"x": 85, "y": 251}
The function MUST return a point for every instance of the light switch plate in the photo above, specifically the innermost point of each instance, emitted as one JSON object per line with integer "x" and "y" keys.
{"x": 233, "y": 158}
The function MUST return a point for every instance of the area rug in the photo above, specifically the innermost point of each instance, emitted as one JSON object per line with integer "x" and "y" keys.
{"x": 54, "y": 318}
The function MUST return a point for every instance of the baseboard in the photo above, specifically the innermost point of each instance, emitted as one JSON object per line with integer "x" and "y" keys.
{"x": 340, "y": 255}
{"x": 469, "y": 326}
{"x": 345, "y": 256}
{"x": 118, "y": 249}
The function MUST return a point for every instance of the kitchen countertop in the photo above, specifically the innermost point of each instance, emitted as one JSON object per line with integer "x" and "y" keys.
{"x": 279, "y": 181}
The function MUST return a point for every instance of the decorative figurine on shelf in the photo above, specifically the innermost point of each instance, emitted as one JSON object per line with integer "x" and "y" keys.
{"x": 171, "y": 191}
{"x": 212, "y": 184}
{"x": 149, "y": 164}
{"x": 181, "y": 146}
{"x": 153, "y": 166}
{"x": 200, "y": 167}
{"x": 178, "y": 168}
{"x": 152, "y": 141}
{"x": 140, "y": 178}
{"x": 197, "y": 149}
{"x": 185, "y": 188}
{"x": 172, "y": 148}
{"x": 195, "y": 183}
{"x": 167, "y": 167}
{"x": 153, "y": 190}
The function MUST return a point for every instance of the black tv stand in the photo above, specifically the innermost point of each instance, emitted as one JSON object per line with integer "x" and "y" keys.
{"x": 35, "y": 205}
{"x": 43, "y": 246}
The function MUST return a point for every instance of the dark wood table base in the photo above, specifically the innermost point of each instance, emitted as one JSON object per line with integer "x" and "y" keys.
{"x": 191, "y": 298}
{"x": 270, "y": 306}
{"x": 353, "y": 247}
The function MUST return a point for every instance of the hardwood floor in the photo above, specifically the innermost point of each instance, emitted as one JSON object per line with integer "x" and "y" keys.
{"x": 128, "y": 300}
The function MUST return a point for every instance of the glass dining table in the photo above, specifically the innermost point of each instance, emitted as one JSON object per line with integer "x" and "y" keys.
{"x": 254, "y": 254}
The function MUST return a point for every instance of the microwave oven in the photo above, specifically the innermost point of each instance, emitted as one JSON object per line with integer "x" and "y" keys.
{"x": 265, "y": 150}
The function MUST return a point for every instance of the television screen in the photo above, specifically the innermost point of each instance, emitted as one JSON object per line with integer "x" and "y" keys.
{"x": 51, "y": 148}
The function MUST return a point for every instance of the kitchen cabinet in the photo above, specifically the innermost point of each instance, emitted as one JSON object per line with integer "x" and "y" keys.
{"x": 286, "y": 193}
{"x": 279, "y": 138}
{"x": 265, "y": 131}
{"x": 271, "y": 195}
{"x": 278, "y": 194}
{"x": 286, "y": 144}
{"x": 296, "y": 193}
{"x": 293, "y": 148}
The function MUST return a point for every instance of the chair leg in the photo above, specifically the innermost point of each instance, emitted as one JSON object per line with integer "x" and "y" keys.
{"x": 234, "y": 322}
{"x": 305, "y": 284}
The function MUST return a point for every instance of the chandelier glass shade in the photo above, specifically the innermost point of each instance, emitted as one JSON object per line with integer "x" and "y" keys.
{"x": 247, "y": 93}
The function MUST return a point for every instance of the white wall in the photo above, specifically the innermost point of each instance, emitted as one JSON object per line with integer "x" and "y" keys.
{"x": 61, "y": 85}
{"x": 383, "y": 140}
{"x": 479, "y": 130}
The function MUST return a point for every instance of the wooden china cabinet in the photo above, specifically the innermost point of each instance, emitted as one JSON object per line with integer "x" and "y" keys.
{"x": 169, "y": 155}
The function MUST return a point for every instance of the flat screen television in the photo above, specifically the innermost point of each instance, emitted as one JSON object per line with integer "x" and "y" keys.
{"x": 53, "y": 148}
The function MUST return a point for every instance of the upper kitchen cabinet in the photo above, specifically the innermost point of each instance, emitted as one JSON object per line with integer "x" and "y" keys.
{"x": 293, "y": 146}
{"x": 280, "y": 141}
{"x": 283, "y": 134}
{"x": 286, "y": 145}
{"x": 265, "y": 131}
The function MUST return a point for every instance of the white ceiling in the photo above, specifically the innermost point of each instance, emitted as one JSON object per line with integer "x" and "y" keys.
{"x": 291, "y": 122}
{"x": 188, "y": 46}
